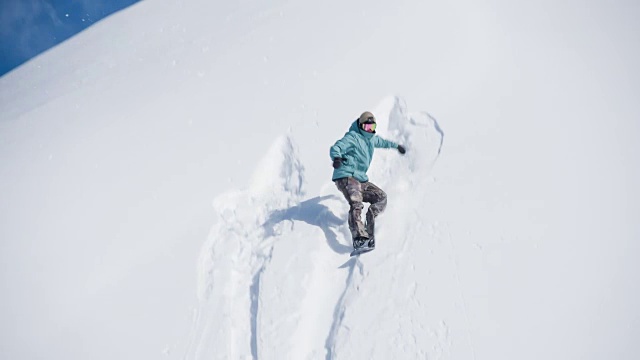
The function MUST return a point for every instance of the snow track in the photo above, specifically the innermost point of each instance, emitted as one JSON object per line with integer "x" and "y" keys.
{"x": 288, "y": 288}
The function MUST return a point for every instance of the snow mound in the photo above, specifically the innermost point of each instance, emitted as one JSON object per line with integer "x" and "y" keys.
{"x": 279, "y": 178}
{"x": 236, "y": 252}
{"x": 419, "y": 132}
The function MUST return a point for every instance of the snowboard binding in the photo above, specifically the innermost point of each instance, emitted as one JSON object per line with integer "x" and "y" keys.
{"x": 363, "y": 245}
{"x": 360, "y": 241}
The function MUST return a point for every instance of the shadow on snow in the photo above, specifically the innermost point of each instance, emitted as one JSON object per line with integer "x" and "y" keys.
{"x": 313, "y": 213}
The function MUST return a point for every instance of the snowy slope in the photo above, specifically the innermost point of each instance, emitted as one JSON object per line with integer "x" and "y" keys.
{"x": 165, "y": 193}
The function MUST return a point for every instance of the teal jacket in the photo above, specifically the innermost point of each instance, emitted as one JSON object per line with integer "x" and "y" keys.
{"x": 356, "y": 146}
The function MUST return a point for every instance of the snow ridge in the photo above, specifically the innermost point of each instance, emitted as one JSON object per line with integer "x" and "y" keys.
{"x": 234, "y": 258}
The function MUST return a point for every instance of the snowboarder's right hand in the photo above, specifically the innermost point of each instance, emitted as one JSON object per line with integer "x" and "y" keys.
{"x": 337, "y": 162}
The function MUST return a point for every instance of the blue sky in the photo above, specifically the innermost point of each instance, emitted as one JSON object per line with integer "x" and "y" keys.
{"x": 29, "y": 27}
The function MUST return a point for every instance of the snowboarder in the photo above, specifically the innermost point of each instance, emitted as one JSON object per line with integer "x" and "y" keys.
{"x": 351, "y": 157}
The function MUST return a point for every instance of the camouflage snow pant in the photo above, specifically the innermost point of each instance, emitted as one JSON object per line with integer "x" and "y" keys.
{"x": 356, "y": 193}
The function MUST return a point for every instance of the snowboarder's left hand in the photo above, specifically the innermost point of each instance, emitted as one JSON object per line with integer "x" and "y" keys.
{"x": 401, "y": 149}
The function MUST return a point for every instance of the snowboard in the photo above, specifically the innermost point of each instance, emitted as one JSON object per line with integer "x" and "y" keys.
{"x": 362, "y": 250}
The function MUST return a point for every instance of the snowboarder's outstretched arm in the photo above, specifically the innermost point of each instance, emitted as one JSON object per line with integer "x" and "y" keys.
{"x": 387, "y": 144}
{"x": 384, "y": 143}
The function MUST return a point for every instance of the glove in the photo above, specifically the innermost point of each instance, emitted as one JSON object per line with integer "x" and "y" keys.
{"x": 337, "y": 162}
{"x": 401, "y": 149}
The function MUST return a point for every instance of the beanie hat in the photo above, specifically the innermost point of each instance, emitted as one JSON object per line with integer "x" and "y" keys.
{"x": 366, "y": 116}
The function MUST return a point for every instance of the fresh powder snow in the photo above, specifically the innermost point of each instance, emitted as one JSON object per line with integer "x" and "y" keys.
{"x": 165, "y": 184}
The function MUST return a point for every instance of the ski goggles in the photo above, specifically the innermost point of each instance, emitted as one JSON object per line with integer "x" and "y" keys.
{"x": 369, "y": 127}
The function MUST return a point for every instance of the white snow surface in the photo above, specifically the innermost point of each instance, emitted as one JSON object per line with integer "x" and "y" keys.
{"x": 165, "y": 184}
